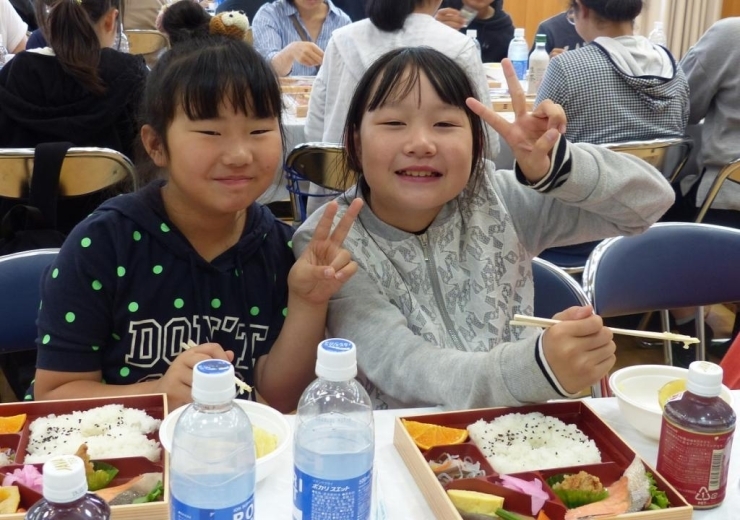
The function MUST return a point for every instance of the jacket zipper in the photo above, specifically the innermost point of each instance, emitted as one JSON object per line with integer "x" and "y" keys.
{"x": 432, "y": 270}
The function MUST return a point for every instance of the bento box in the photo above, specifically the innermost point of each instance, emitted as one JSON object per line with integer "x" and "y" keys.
{"x": 616, "y": 455}
{"x": 154, "y": 405}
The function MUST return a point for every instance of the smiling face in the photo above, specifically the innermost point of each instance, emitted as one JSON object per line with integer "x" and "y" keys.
{"x": 219, "y": 166}
{"x": 416, "y": 155}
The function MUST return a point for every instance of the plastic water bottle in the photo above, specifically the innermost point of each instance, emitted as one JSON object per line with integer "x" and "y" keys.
{"x": 212, "y": 473}
{"x": 468, "y": 14}
{"x": 334, "y": 440}
{"x": 519, "y": 53}
{"x": 65, "y": 493}
{"x": 538, "y": 62}
{"x": 3, "y": 51}
{"x": 657, "y": 36}
{"x": 473, "y": 35}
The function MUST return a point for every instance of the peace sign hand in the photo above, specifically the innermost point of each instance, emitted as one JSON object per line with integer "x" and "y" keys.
{"x": 532, "y": 135}
{"x": 324, "y": 265}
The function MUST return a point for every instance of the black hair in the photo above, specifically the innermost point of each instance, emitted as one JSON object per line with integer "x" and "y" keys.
{"x": 394, "y": 76}
{"x": 185, "y": 20}
{"x": 612, "y": 10}
{"x": 69, "y": 27}
{"x": 199, "y": 75}
{"x": 390, "y": 15}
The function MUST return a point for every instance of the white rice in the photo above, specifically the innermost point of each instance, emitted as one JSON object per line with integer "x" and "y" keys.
{"x": 110, "y": 431}
{"x": 518, "y": 442}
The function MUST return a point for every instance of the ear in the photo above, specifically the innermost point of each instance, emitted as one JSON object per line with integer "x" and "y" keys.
{"x": 110, "y": 19}
{"x": 154, "y": 146}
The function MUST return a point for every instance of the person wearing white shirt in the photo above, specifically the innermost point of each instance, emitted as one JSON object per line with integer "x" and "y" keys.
{"x": 391, "y": 24}
{"x": 12, "y": 28}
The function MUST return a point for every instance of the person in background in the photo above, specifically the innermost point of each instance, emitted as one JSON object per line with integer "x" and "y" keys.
{"x": 355, "y": 9}
{"x": 445, "y": 241}
{"x": 248, "y": 7}
{"x": 561, "y": 33}
{"x": 621, "y": 87}
{"x": 12, "y": 28}
{"x": 292, "y": 34}
{"x": 495, "y": 28}
{"x": 78, "y": 89}
{"x": 714, "y": 91}
{"x": 141, "y": 14}
{"x": 191, "y": 256}
{"x": 352, "y": 49}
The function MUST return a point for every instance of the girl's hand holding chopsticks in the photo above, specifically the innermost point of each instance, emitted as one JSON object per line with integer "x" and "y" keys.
{"x": 178, "y": 379}
{"x": 579, "y": 349}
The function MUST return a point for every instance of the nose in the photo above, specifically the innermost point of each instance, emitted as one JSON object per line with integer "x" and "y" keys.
{"x": 420, "y": 142}
{"x": 237, "y": 153}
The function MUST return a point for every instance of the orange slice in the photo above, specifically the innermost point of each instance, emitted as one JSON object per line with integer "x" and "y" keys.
{"x": 429, "y": 435}
{"x": 12, "y": 424}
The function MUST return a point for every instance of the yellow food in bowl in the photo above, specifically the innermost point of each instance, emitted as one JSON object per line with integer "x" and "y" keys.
{"x": 670, "y": 390}
{"x": 264, "y": 441}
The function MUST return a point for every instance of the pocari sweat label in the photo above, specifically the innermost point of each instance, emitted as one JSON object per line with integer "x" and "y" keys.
{"x": 181, "y": 511}
{"x": 321, "y": 499}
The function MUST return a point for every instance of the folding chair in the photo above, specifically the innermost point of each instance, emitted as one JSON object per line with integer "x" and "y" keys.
{"x": 554, "y": 291}
{"x": 94, "y": 172}
{"x": 671, "y": 265}
{"x": 318, "y": 163}
{"x": 730, "y": 172}
{"x": 20, "y": 287}
{"x": 668, "y": 155}
{"x": 148, "y": 43}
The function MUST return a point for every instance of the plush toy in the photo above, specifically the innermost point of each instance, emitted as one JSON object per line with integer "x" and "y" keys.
{"x": 231, "y": 23}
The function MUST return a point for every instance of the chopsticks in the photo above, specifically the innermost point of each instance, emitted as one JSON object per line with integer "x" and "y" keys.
{"x": 241, "y": 385}
{"x": 530, "y": 321}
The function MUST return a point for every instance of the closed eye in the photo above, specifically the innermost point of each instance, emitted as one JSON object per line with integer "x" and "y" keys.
{"x": 261, "y": 131}
{"x": 392, "y": 123}
{"x": 207, "y": 132}
{"x": 447, "y": 124}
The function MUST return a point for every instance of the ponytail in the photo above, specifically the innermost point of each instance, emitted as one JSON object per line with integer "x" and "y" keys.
{"x": 390, "y": 15}
{"x": 70, "y": 31}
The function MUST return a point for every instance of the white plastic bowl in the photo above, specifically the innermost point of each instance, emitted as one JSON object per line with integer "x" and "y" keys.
{"x": 636, "y": 389}
{"x": 260, "y": 415}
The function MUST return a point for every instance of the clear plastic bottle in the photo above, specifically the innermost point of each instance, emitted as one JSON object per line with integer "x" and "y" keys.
{"x": 696, "y": 438}
{"x": 468, "y": 13}
{"x": 473, "y": 35}
{"x": 334, "y": 442}
{"x": 212, "y": 474}
{"x": 65, "y": 493}
{"x": 519, "y": 53}
{"x": 3, "y": 51}
{"x": 657, "y": 36}
{"x": 538, "y": 62}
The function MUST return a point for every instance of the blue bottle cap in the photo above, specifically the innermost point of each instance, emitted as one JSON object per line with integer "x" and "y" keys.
{"x": 336, "y": 360}
{"x": 213, "y": 382}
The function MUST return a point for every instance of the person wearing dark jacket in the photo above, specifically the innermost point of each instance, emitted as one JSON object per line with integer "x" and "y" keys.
{"x": 494, "y": 26}
{"x": 60, "y": 93}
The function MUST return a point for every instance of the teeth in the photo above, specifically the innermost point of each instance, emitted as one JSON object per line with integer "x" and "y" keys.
{"x": 412, "y": 173}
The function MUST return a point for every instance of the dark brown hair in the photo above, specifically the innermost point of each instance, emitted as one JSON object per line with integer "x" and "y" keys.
{"x": 612, "y": 10}
{"x": 395, "y": 75}
{"x": 69, "y": 28}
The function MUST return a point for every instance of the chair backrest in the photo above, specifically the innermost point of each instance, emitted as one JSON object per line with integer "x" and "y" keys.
{"x": 85, "y": 170}
{"x": 729, "y": 172}
{"x": 146, "y": 42}
{"x": 668, "y": 155}
{"x": 671, "y": 265}
{"x": 554, "y": 291}
{"x": 20, "y": 287}
{"x": 318, "y": 163}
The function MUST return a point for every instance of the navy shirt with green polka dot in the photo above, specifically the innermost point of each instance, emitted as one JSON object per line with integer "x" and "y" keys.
{"x": 127, "y": 289}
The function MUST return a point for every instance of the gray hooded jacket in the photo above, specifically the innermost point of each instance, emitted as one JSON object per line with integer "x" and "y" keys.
{"x": 430, "y": 313}
{"x": 618, "y": 89}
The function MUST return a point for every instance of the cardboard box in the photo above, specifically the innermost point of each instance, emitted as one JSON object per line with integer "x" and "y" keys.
{"x": 154, "y": 405}
{"x": 615, "y": 453}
